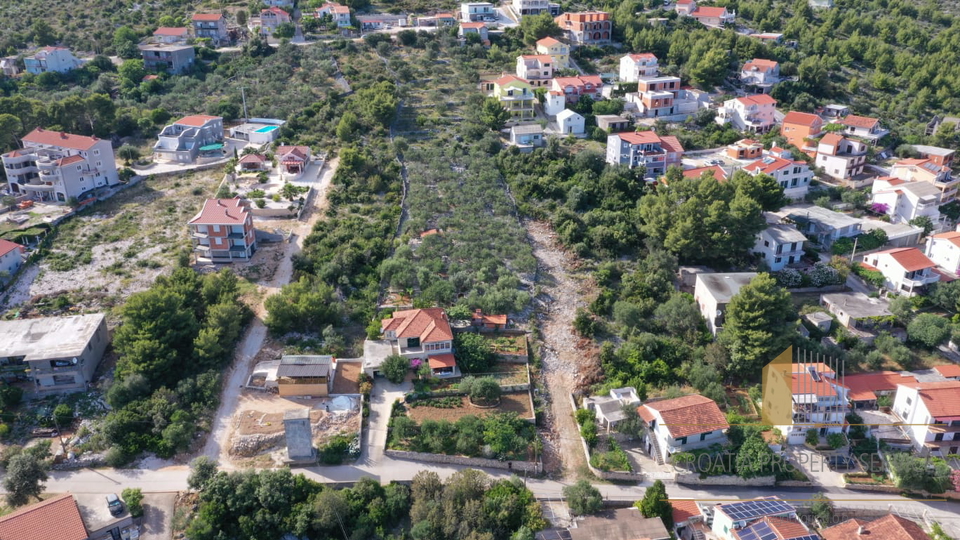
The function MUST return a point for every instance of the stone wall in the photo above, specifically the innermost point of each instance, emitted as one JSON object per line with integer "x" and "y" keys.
{"x": 635, "y": 476}
{"x": 521, "y": 466}
{"x": 724, "y": 480}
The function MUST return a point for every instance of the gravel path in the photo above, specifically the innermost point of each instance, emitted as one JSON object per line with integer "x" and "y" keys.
{"x": 216, "y": 445}
{"x": 558, "y": 302}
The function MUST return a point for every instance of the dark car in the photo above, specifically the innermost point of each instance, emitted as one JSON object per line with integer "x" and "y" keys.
{"x": 115, "y": 505}
{"x": 841, "y": 462}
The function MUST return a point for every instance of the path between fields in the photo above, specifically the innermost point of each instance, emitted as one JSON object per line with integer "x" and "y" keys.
{"x": 560, "y": 297}
{"x": 217, "y": 443}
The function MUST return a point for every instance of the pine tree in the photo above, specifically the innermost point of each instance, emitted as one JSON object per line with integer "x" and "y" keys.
{"x": 760, "y": 322}
{"x": 655, "y": 504}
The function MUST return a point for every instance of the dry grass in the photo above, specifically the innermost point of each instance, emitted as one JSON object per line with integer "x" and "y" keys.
{"x": 347, "y": 380}
{"x": 517, "y": 402}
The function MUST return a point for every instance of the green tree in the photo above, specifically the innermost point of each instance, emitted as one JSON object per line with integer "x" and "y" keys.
{"x": 537, "y": 27}
{"x": 493, "y": 115}
{"x": 822, "y": 508}
{"x": 656, "y": 504}
{"x": 125, "y": 41}
{"x": 10, "y": 129}
{"x": 755, "y": 458}
{"x": 928, "y": 330}
{"x": 42, "y": 33}
{"x": 134, "y": 499}
{"x": 64, "y": 415}
{"x": 762, "y": 188}
{"x": 284, "y": 31}
{"x": 760, "y": 322}
{"x": 395, "y": 368}
{"x": 128, "y": 154}
{"x": 302, "y": 306}
{"x": 25, "y": 476}
{"x": 923, "y": 222}
{"x": 202, "y": 470}
{"x": 473, "y": 352}
{"x": 482, "y": 390}
{"x": 902, "y": 308}
{"x": 348, "y": 128}
{"x": 582, "y": 498}
{"x": 132, "y": 72}
{"x": 241, "y": 15}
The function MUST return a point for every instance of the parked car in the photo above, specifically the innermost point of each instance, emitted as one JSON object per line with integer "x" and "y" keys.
{"x": 115, "y": 505}
{"x": 841, "y": 462}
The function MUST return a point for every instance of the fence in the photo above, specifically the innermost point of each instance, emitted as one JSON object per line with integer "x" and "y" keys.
{"x": 521, "y": 466}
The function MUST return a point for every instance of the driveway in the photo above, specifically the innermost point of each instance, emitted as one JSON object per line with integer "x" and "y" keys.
{"x": 814, "y": 465}
{"x": 157, "y": 516}
{"x": 381, "y": 401}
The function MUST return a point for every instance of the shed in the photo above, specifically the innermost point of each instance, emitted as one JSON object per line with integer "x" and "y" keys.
{"x": 305, "y": 375}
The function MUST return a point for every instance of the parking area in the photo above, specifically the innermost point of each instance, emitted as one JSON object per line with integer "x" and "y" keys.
{"x": 157, "y": 516}
{"x": 815, "y": 466}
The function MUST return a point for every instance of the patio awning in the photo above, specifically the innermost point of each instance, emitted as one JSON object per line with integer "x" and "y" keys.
{"x": 211, "y": 147}
{"x": 441, "y": 361}
{"x": 292, "y": 162}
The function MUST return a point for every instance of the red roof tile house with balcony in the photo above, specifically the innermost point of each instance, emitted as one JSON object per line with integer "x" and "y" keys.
{"x": 755, "y": 113}
{"x": 581, "y": 85}
{"x": 682, "y": 424}
{"x": 889, "y": 527}
{"x": 798, "y": 127}
{"x": 863, "y": 127}
{"x": 212, "y": 26}
{"x": 906, "y": 271}
{"x": 644, "y": 148}
{"x": 423, "y": 334}
{"x": 760, "y": 75}
{"x": 293, "y": 159}
{"x": 223, "y": 231}
{"x": 55, "y": 518}
{"x": 716, "y": 17}
{"x": 930, "y": 412}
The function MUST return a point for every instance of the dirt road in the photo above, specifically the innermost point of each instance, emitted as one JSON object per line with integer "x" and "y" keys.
{"x": 216, "y": 445}
{"x": 558, "y": 302}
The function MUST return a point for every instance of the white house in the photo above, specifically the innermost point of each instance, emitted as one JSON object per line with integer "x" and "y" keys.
{"x": 749, "y": 113}
{"x": 11, "y": 258}
{"x": 682, "y": 424}
{"x": 477, "y": 12}
{"x": 713, "y": 292}
{"x": 537, "y": 69}
{"x": 419, "y": 333}
{"x": 554, "y": 102}
{"x": 944, "y": 250}
{"x": 779, "y": 244}
{"x": 526, "y": 136}
{"x": 839, "y": 157}
{"x": 338, "y": 12}
{"x": 863, "y": 127}
{"x": 930, "y": 412}
{"x": 728, "y": 518}
{"x": 644, "y": 148}
{"x": 819, "y": 402}
{"x": 905, "y": 201}
{"x": 794, "y": 176}
{"x": 190, "y": 138}
{"x": 570, "y": 123}
{"x": 905, "y": 270}
{"x": 634, "y": 66}
{"x": 928, "y": 170}
{"x": 821, "y": 225}
{"x": 760, "y": 75}
{"x": 57, "y": 59}
{"x": 609, "y": 409}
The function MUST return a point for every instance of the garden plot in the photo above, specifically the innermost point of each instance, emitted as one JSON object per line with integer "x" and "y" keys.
{"x": 258, "y": 425}
{"x": 456, "y": 407}
{"x": 118, "y": 246}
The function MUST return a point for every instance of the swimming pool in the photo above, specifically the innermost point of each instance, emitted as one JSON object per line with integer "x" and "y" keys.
{"x": 267, "y": 129}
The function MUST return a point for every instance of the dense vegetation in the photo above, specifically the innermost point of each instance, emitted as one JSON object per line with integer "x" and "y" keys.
{"x": 174, "y": 341}
{"x": 271, "y": 503}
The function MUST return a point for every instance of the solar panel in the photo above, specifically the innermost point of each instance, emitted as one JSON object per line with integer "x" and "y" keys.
{"x": 807, "y": 537}
{"x": 741, "y": 511}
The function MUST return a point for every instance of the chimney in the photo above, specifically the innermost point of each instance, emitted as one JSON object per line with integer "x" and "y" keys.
{"x": 63, "y": 135}
{"x": 860, "y": 530}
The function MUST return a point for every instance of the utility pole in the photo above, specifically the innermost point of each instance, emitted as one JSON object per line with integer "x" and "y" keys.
{"x": 854, "y": 254}
{"x": 243, "y": 97}
{"x": 63, "y": 445}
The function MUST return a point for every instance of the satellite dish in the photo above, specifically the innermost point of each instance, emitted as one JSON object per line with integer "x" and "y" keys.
{"x": 74, "y": 360}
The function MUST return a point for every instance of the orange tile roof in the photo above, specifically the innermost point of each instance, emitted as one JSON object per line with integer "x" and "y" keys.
{"x": 59, "y": 138}
{"x": 952, "y": 370}
{"x": 7, "y": 246}
{"x": 800, "y": 118}
{"x": 55, "y": 518}
{"x": 718, "y": 172}
{"x": 889, "y": 527}
{"x": 69, "y": 160}
{"x": 275, "y": 10}
{"x": 429, "y": 324}
{"x": 859, "y": 121}
{"x": 253, "y": 158}
{"x": 642, "y": 56}
{"x": 196, "y": 120}
{"x": 549, "y": 42}
{"x": 688, "y": 415}
{"x": 170, "y": 31}
{"x": 952, "y": 236}
{"x": 537, "y": 57}
{"x": 911, "y": 259}
{"x": 770, "y": 166}
{"x": 150, "y": 77}
{"x": 757, "y": 99}
{"x": 490, "y": 319}
{"x": 804, "y": 384}
{"x": 671, "y": 144}
{"x": 221, "y": 212}
{"x": 684, "y": 510}
{"x": 820, "y": 367}
{"x": 760, "y": 64}
{"x": 439, "y": 361}
{"x": 580, "y": 80}
{"x": 833, "y": 139}
{"x": 707, "y": 11}
{"x": 207, "y": 17}
{"x": 640, "y": 137}
{"x": 863, "y": 386}
{"x": 507, "y": 79}
{"x": 472, "y": 25}
{"x": 942, "y": 399}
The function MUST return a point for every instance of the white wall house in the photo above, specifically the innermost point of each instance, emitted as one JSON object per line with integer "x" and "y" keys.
{"x": 794, "y": 176}
{"x": 537, "y": 69}
{"x": 608, "y": 409}
{"x": 944, "y": 250}
{"x": 821, "y": 225}
{"x": 839, "y": 157}
{"x": 749, "y": 113}
{"x": 778, "y": 245}
{"x": 906, "y": 271}
{"x": 819, "y": 402}
{"x": 713, "y": 292}
{"x": 11, "y": 258}
{"x": 760, "y": 75}
{"x": 554, "y": 102}
{"x": 905, "y": 201}
{"x": 56, "y": 59}
{"x": 682, "y": 424}
{"x": 634, "y": 66}
{"x": 477, "y": 12}
{"x": 570, "y": 123}
{"x": 930, "y": 413}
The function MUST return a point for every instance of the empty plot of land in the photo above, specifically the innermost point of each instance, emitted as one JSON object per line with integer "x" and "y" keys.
{"x": 347, "y": 380}
{"x": 516, "y": 402}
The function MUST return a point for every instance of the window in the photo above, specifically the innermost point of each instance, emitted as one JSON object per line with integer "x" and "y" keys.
{"x": 96, "y": 153}
{"x": 682, "y": 440}
{"x": 909, "y": 401}
{"x": 766, "y": 243}
{"x": 703, "y": 436}
{"x": 778, "y": 259}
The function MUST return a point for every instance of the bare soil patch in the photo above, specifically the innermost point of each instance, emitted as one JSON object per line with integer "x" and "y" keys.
{"x": 517, "y": 402}
{"x": 347, "y": 380}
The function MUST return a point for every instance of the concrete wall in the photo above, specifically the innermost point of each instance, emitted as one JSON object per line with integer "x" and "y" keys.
{"x": 522, "y": 466}
{"x": 724, "y": 480}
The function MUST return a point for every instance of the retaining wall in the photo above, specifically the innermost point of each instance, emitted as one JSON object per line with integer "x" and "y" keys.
{"x": 827, "y": 289}
{"x": 725, "y": 480}
{"x": 522, "y": 466}
{"x": 636, "y": 476}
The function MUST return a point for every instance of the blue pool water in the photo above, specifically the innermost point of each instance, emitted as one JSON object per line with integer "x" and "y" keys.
{"x": 267, "y": 129}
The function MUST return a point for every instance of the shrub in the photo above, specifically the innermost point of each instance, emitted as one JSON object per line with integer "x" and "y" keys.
{"x": 584, "y": 324}
{"x": 583, "y": 498}
{"x": 395, "y": 368}
{"x": 812, "y": 437}
{"x": 823, "y": 275}
{"x": 928, "y": 330}
{"x": 582, "y": 415}
{"x": 335, "y": 451}
{"x": 134, "y": 499}
{"x": 484, "y": 391}
{"x": 836, "y": 440}
{"x": 589, "y": 432}
{"x": 10, "y": 397}
{"x": 63, "y": 414}
{"x": 788, "y": 278}
{"x": 473, "y": 352}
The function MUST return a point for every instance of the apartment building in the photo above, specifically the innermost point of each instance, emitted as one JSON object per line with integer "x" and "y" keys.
{"x": 940, "y": 156}
{"x": 906, "y": 271}
{"x": 819, "y": 402}
{"x": 190, "y": 138}
{"x": 779, "y": 245}
{"x": 863, "y": 127}
{"x": 211, "y": 26}
{"x": 904, "y": 201}
{"x": 58, "y": 166}
{"x": 794, "y": 176}
{"x": 271, "y": 18}
{"x": 755, "y": 114}
{"x": 645, "y": 149}
{"x": 535, "y": 7}
{"x": 223, "y": 231}
{"x": 760, "y": 75}
{"x": 338, "y": 12}
{"x": 713, "y": 291}
{"x": 574, "y": 88}
{"x": 943, "y": 249}
{"x": 800, "y": 128}
{"x": 56, "y": 59}
{"x": 477, "y": 12}
{"x": 516, "y": 96}
{"x": 558, "y": 50}
{"x": 171, "y": 58}
{"x": 59, "y": 354}
{"x": 928, "y": 170}
{"x": 634, "y": 66}
{"x": 587, "y": 27}
{"x": 839, "y": 157}
{"x": 930, "y": 412}
{"x": 537, "y": 69}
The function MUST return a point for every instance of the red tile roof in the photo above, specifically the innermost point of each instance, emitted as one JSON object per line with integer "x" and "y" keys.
{"x": 150, "y": 77}
{"x": 760, "y": 64}
{"x": 430, "y": 325}
{"x": 276, "y": 11}
{"x": 684, "y": 510}
{"x": 889, "y": 527}
{"x": 859, "y": 121}
{"x": 949, "y": 371}
{"x": 671, "y": 144}
{"x": 56, "y": 518}
{"x": 507, "y": 79}
{"x": 803, "y": 119}
{"x": 70, "y": 159}
{"x": 7, "y": 246}
{"x": 952, "y": 236}
{"x": 768, "y": 165}
{"x": 707, "y": 11}
{"x": 942, "y": 399}
{"x": 221, "y": 212}
{"x": 718, "y": 172}
{"x": 207, "y": 17}
{"x": 483, "y": 318}
{"x": 472, "y": 25}
{"x": 293, "y": 151}
{"x": 687, "y": 415}
{"x": 549, "y": 42}
{"x": 439, "y": 361}
{"x": 833, "y": 139}
{"x": 538, "y": 57}
{"x": 911, "y": 259}
{"x": 820, "y": 367}
{"x": 170, "y": 31}
{"x": 805, "y": 384}
{"x": 196, "y": 120}
{"x": 642, "y": 56}
{"x": 640, "y": 137}
{"x": 253, "y": 158}
{"x": 786, "y": 529}
{"x": 59, "y": 138}
{"x": 757, "y": 99}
